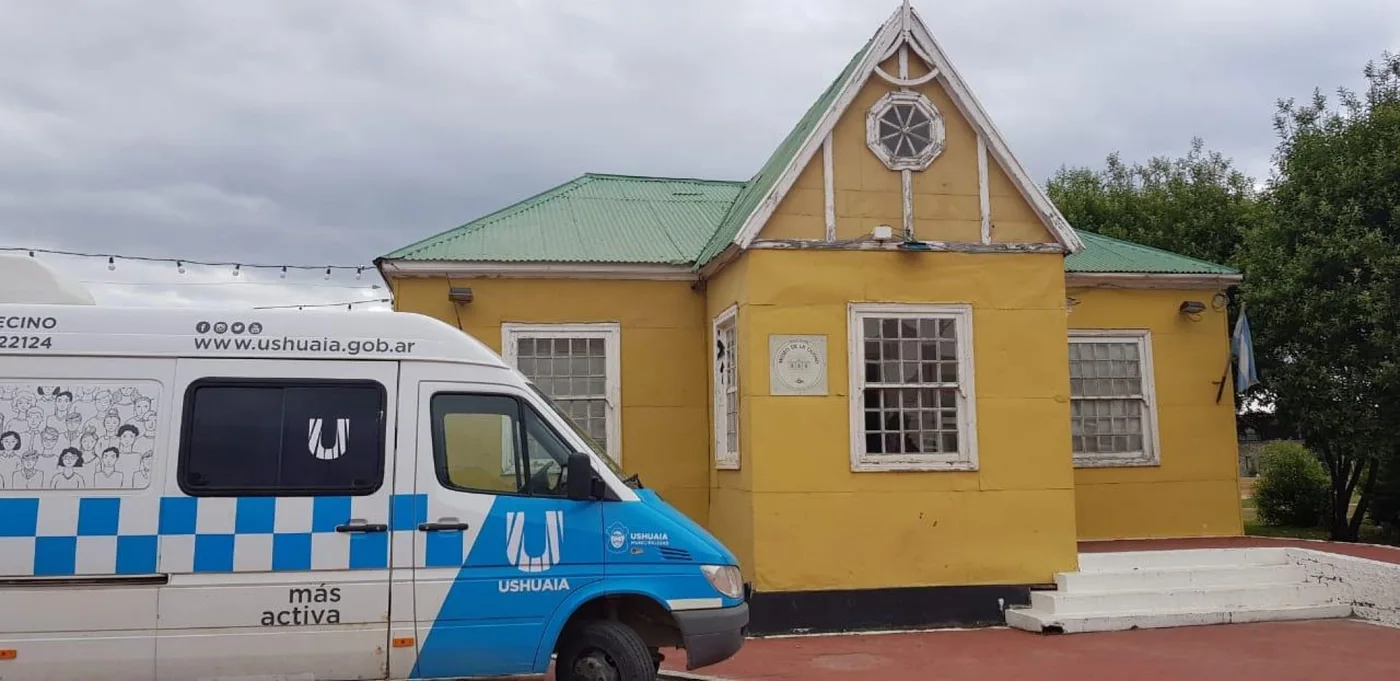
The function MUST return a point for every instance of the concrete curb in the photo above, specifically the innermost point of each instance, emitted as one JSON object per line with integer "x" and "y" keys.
{"x": 667, "y": 675}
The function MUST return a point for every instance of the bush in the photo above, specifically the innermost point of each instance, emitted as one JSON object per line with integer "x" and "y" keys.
{"x": 1293, "y": 488}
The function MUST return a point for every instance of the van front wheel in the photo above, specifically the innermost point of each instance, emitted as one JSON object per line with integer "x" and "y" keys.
{"x": 604, "y": 650}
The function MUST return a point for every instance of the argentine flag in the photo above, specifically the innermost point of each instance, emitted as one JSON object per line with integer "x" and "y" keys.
{"x": 1242, "y": 347}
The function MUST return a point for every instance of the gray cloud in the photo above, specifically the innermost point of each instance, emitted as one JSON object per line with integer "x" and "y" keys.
{"x": 323, "y": 130}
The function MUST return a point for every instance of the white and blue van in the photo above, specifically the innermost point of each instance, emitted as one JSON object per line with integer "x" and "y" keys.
{"x": 320, "y": 495}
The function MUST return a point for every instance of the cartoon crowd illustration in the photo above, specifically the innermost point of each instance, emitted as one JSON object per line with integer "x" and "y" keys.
{"x": 84, "y": 436}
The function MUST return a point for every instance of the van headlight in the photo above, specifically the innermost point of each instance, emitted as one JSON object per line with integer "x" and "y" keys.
{"x": 726, "y": 579}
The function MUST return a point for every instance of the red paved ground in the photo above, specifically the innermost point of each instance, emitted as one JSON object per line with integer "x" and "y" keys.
{"x": 1275, "y": 651}
{"x": 1387, "y": 554}
{"x": 1279, "y": 651}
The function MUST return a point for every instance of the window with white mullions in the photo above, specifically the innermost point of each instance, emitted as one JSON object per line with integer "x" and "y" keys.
{"x": 912, "y": 382}
{"x": 574, "y": 373}
{"x": 1111, "y": 399}
{"x": 726, "y": 378}
{"x": 905, "y": 130}
{"x": 577, "y": 366}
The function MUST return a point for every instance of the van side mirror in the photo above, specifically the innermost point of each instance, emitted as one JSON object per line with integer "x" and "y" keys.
{"x": 581, "y": 478}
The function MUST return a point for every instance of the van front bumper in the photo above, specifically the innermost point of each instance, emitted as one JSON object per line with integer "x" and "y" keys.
{"x": 712, "y": 636}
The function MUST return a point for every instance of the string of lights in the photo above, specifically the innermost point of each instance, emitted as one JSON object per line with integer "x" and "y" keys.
{"x": 349, "y": 305}
{"x": 182, "y": 263}
{"x": 222, "y": 284}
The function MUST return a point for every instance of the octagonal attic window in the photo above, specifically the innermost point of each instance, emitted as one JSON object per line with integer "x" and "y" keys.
{"x": 905, "y": 131}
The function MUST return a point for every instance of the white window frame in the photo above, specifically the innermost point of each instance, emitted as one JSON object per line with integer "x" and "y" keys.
{"x": 611, "y": 333}
{"x": 1151, "y": 439}
{"x": 725, "y": 460}
{"x": 938, "y": 133}
{"x": 966, "y": 458}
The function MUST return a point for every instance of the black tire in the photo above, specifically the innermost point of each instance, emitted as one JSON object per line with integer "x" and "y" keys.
{"x": 604, "y": 650}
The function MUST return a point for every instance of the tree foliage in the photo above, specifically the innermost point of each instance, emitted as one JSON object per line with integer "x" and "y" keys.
{"x": 1197, "y": 205}
{"x": 1320, "y": 249}
{"x": 1323, "y": 283}
{"x": 1292, "y": 487}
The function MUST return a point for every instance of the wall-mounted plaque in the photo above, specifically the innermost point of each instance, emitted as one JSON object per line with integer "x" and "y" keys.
{"x": 797, "y": 365}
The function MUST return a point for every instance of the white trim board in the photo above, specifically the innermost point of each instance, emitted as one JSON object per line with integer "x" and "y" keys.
{"x": 724, "y": 460}
{"x": 890, "y": 37}
{"x": 1151, "y": 281}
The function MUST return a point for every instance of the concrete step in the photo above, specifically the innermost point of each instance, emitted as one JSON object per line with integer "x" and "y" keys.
{"x": 1204, "y": 599}
{"x": 1029, "y": 619}
{"x": 1186, "y": 558}
{"x": 1178, "y": 578}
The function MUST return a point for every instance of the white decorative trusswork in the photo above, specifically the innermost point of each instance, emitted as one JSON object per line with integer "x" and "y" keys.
{"x": 905, "y": 130}
{"x": 904, "y": 30}
{"x": 60, "y": 435}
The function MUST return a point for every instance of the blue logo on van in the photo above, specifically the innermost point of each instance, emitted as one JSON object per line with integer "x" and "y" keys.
{"x": 618, "y": 538}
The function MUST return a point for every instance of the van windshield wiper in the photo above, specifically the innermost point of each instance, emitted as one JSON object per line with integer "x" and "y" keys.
{"x": 634, "y": 481}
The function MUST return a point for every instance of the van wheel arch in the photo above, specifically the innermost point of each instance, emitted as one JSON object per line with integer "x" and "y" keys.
{"x": 644, "y": 615}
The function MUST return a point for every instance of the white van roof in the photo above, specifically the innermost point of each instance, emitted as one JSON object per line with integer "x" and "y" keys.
{"x": 43, "y": 312}
{"x": 236, "y": 333}
{"x": 29, "y": 280}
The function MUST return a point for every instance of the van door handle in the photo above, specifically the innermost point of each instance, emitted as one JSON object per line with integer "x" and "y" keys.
{"x": 444, "y": 527}
{"x": 356, "y": 525}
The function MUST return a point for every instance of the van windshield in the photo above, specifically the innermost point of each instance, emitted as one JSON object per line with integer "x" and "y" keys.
{"x": 582, "y": 434}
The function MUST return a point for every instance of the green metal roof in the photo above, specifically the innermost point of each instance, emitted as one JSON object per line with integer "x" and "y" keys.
{"x": 593, "y": 218}
{"x": 661, "y": 220}
{"x": 600, "y": 218}
{"x": 1107, "y": 255}
{"x": 762, "y": 183}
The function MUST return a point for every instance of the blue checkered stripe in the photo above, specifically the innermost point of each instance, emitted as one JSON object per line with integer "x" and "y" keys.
{"x": 69, "y": 535}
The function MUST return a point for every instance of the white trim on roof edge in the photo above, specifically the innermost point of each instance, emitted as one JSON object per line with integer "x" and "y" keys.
{"x": 533, "y": 270}
{"x": 1159, "y": 280}
{"x": 764, "y": 209}
{"x": 888, "y": 39}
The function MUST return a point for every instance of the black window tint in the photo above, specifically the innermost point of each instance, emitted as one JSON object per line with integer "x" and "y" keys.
{"x": 283, "y": 438}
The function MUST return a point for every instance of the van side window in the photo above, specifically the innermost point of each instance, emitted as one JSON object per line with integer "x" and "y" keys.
{"x": 254, "y": 437}
{"x": 477, "y": 446}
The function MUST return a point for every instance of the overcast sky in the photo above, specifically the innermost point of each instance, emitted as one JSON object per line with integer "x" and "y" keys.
{"x": 327, "y": 131}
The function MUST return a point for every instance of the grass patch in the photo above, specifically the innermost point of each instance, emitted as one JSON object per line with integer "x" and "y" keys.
{"x": 1255, "y": 529}
{"x": 1369, "y": 534}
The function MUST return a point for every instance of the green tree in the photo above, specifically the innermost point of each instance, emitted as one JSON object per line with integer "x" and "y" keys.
{"x": 1197, "y": 205}
{"x": 1323, "y": 283}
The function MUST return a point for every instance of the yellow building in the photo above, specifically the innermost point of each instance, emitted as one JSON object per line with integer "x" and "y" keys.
{"x": 885, "y": 371}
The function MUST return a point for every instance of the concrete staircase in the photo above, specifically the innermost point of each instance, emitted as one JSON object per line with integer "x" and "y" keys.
{"x": 1157, "y": 589}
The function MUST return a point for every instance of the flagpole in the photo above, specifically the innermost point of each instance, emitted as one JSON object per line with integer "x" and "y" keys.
{"x": 1229, "y": 356}
{"x": 1225, "y": 376}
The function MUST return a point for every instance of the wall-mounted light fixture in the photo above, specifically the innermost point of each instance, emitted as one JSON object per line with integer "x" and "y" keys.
{"x": 459, "y": 294}
{"x": 1192, "y": 308}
